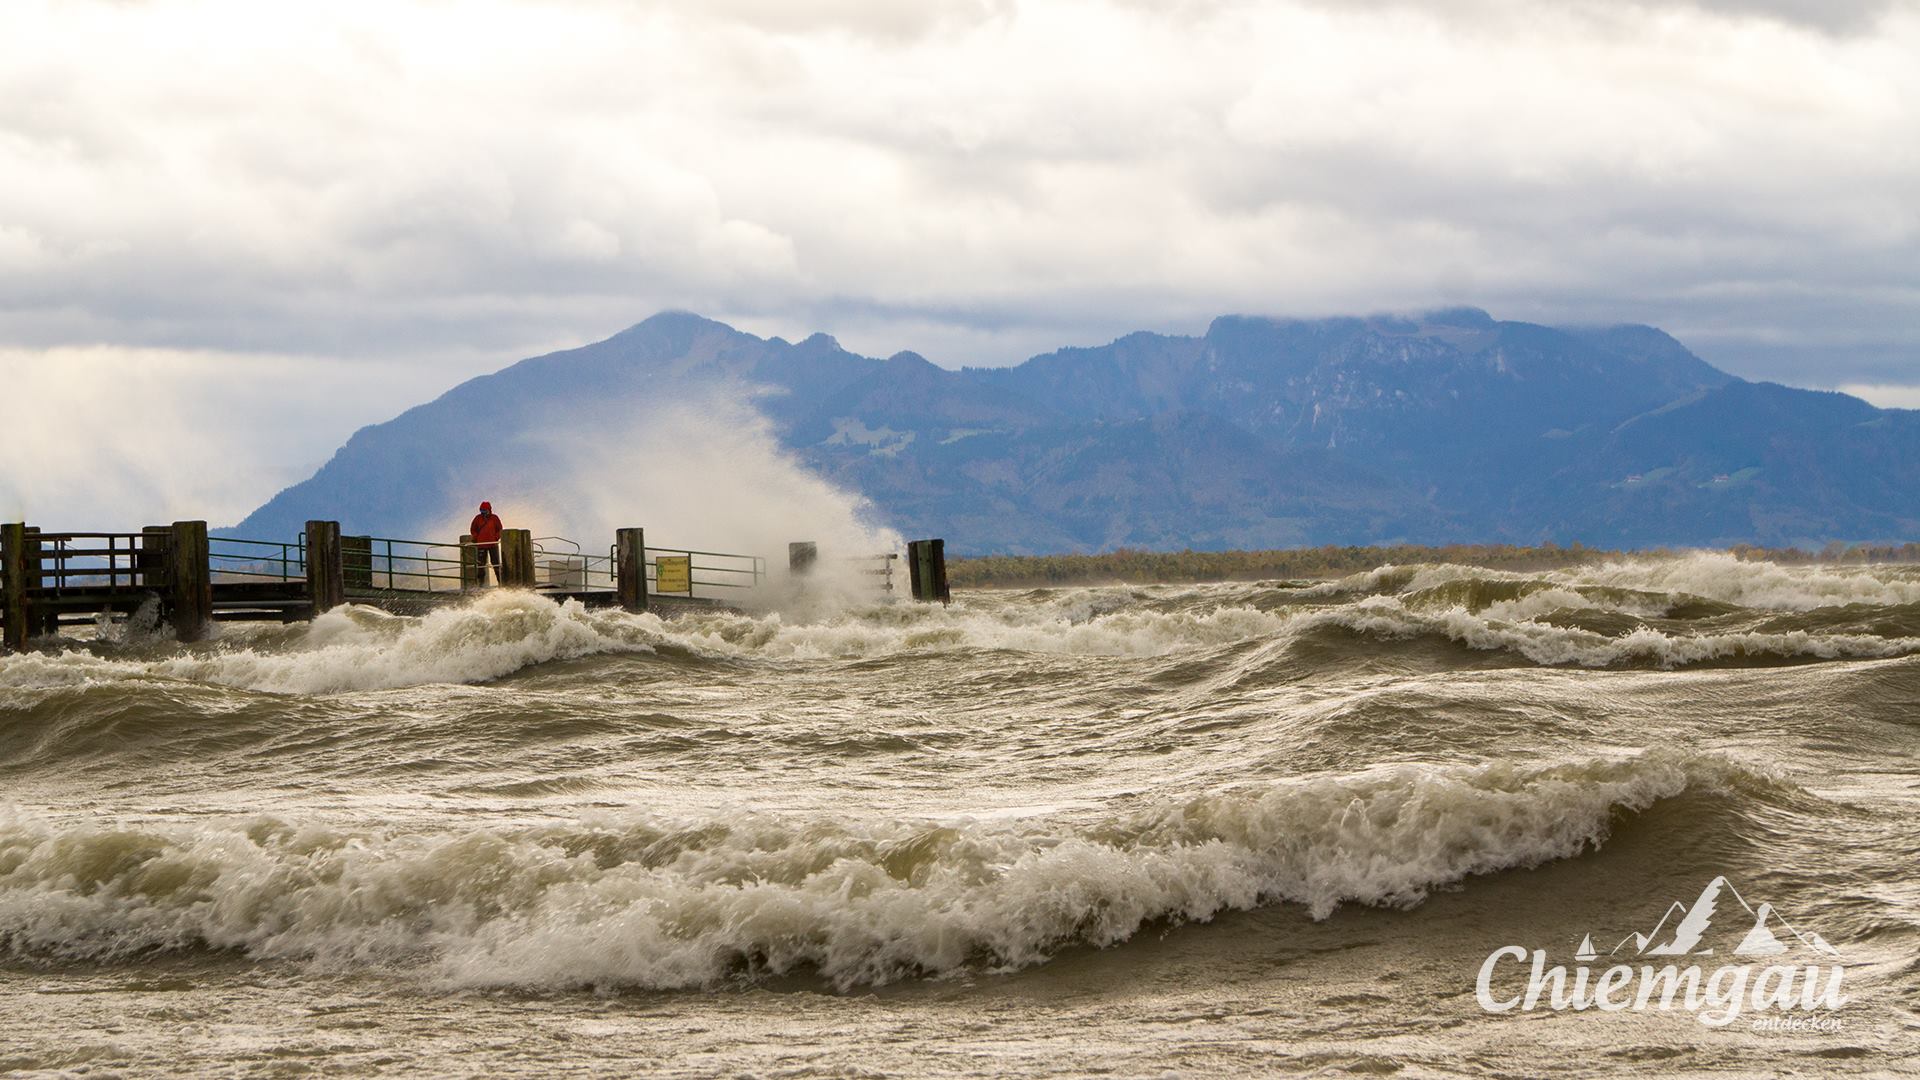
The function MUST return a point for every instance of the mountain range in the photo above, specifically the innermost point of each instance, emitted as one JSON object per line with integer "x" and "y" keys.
{"x": 1449, "y": 426}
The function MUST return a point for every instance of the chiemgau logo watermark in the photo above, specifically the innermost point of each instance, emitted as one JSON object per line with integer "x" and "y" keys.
{"x": 1718, "y": 958}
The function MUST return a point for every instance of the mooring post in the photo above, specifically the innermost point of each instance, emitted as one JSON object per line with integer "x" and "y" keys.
{"x": 801, "y": 555}
{"x": 473, "y": 574}
{"x": 927, "y": 570}
{"x": 516, "y": 558}
{"x": 190, "y": 581}
{"x": 42, "y": 617}
{"x": 630, "y": 568}
{"x": 13, "y": 565}
{"x": 326, "y": 578}
{"x": 356, "y": 562}
{"x": 152, "y": 560}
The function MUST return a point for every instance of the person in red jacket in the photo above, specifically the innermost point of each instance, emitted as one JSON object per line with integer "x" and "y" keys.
{"x": 485, "y": 531}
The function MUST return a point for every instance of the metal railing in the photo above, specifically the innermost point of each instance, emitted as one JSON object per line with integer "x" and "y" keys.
{"x": 562, "y": 565}
{"x": 383, "y": 564}
{"x": 571, "y": 569}
{"x": 232, "y": 560}
{"x": 131, "y": 562}
{"x": 708, "y": 570}
{"x": 879, "y": 567}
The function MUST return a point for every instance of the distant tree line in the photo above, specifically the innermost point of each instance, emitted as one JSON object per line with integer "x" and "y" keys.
{"x": 1133, "y": 566}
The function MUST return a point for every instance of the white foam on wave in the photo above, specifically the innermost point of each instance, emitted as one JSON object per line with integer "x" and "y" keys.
{"x": 1546, "y": 643}
{"x": 1094, "y": 630}
{"x": 360, "y": 648}
{"x": 1708, "y": 575}
{"x": 1754, "y": 584}
{"x": 668, "y": 904}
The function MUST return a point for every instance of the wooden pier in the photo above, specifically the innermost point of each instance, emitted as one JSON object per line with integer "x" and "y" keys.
{"x": 188, "y": 580}
{"x": 185, "y": 578}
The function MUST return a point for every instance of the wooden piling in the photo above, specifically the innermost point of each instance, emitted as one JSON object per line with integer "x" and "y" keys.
{"x": 516, "y": 558}
{"x": 630, "y": 568}
{"x": 42, "y": 618}
{"x": 801, "y": 555}
{"x": 13, "y": 566}
{"x": 356, "y": 562}
{"x": 927, "y": 569}
{"x": 189, "y": 581}
{"x": 152, "y": 560}
{"x": 473, "y": 573}
{"x": 326, "y": 577}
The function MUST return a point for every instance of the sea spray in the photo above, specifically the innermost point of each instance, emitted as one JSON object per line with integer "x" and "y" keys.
{"x": 502, "y": 632}
{"x": 1755, "y": 584}
{"x": 661, "y": 902}
{"x": 700, "y": 468}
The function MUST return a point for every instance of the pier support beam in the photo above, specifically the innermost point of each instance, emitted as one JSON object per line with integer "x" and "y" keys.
{"x": 13, "y": 566}
{"x": 516, "y": 558}
{"x": 326, "y": 577}
{"x": 630, "y": 568}
{"x": 801, "y": 555}
{"x": 927, "y": 568}
{"x": 189, "y": 581}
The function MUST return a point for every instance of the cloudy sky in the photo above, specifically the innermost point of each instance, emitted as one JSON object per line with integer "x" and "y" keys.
{"x": 231, "y": 232}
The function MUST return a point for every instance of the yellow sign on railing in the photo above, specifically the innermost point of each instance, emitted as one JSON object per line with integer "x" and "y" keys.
{"x": 673, "y": 574}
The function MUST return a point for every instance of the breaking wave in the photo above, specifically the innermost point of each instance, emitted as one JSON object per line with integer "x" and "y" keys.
{"x": 1700, "y": 609}
{"x": 1549, "y": 644}
{"x": 363, "y": 648}
{"x": 1655, "y": 584}
{"x": 663, "y": 903}
{"x": 1757, "y": 585}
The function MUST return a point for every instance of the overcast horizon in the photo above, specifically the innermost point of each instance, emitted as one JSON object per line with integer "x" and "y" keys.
{"x": 240, "y": 233}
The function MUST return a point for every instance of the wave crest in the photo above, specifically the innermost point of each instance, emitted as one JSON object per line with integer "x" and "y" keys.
{"x": 363, "y": 648}
{"x": 666, "y": 904}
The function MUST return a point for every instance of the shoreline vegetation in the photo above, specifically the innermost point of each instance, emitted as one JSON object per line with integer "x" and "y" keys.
{"x": 1135, "y": 567}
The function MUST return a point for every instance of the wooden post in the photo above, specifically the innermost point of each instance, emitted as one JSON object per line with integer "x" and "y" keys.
{"x": 152, "y": 560}
{"x": 42, "y": 617}
{"x": 152, "y": 563}
{"x": 13, "y": 565}
{"x": 630, "y": 568}
{"x": 927, "y": 569}
{"x": 516, "y": 558}
{"x": 473, "y": 574}
{"x": 326, "y": 580}
{"x": 190, "y": 581}
{"x": 356, "y": 562}
{"x": 801, "y": 555}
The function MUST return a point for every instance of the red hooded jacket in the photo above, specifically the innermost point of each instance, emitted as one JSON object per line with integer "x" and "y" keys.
{"x": 486, "y": 525}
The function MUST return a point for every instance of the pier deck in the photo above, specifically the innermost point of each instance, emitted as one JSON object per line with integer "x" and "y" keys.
{"x": 190, "y": 580}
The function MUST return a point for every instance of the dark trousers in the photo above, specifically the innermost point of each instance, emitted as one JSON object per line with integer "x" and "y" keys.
{"x": 488, "y": 553}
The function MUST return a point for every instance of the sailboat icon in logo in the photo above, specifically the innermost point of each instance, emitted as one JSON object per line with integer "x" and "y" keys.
{"x": 1689, "y": 935}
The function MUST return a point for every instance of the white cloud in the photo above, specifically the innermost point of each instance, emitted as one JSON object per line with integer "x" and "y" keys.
{"x": 112, "y": 437}
{"x": 405, "y": 180}
{"x": 1887, "y": 397}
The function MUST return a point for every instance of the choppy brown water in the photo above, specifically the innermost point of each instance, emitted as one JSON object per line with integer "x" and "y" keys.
{"x": 1239, "y": 828}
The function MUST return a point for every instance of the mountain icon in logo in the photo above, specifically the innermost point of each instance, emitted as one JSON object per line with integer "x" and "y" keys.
{"x": 1694, "y": 933}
